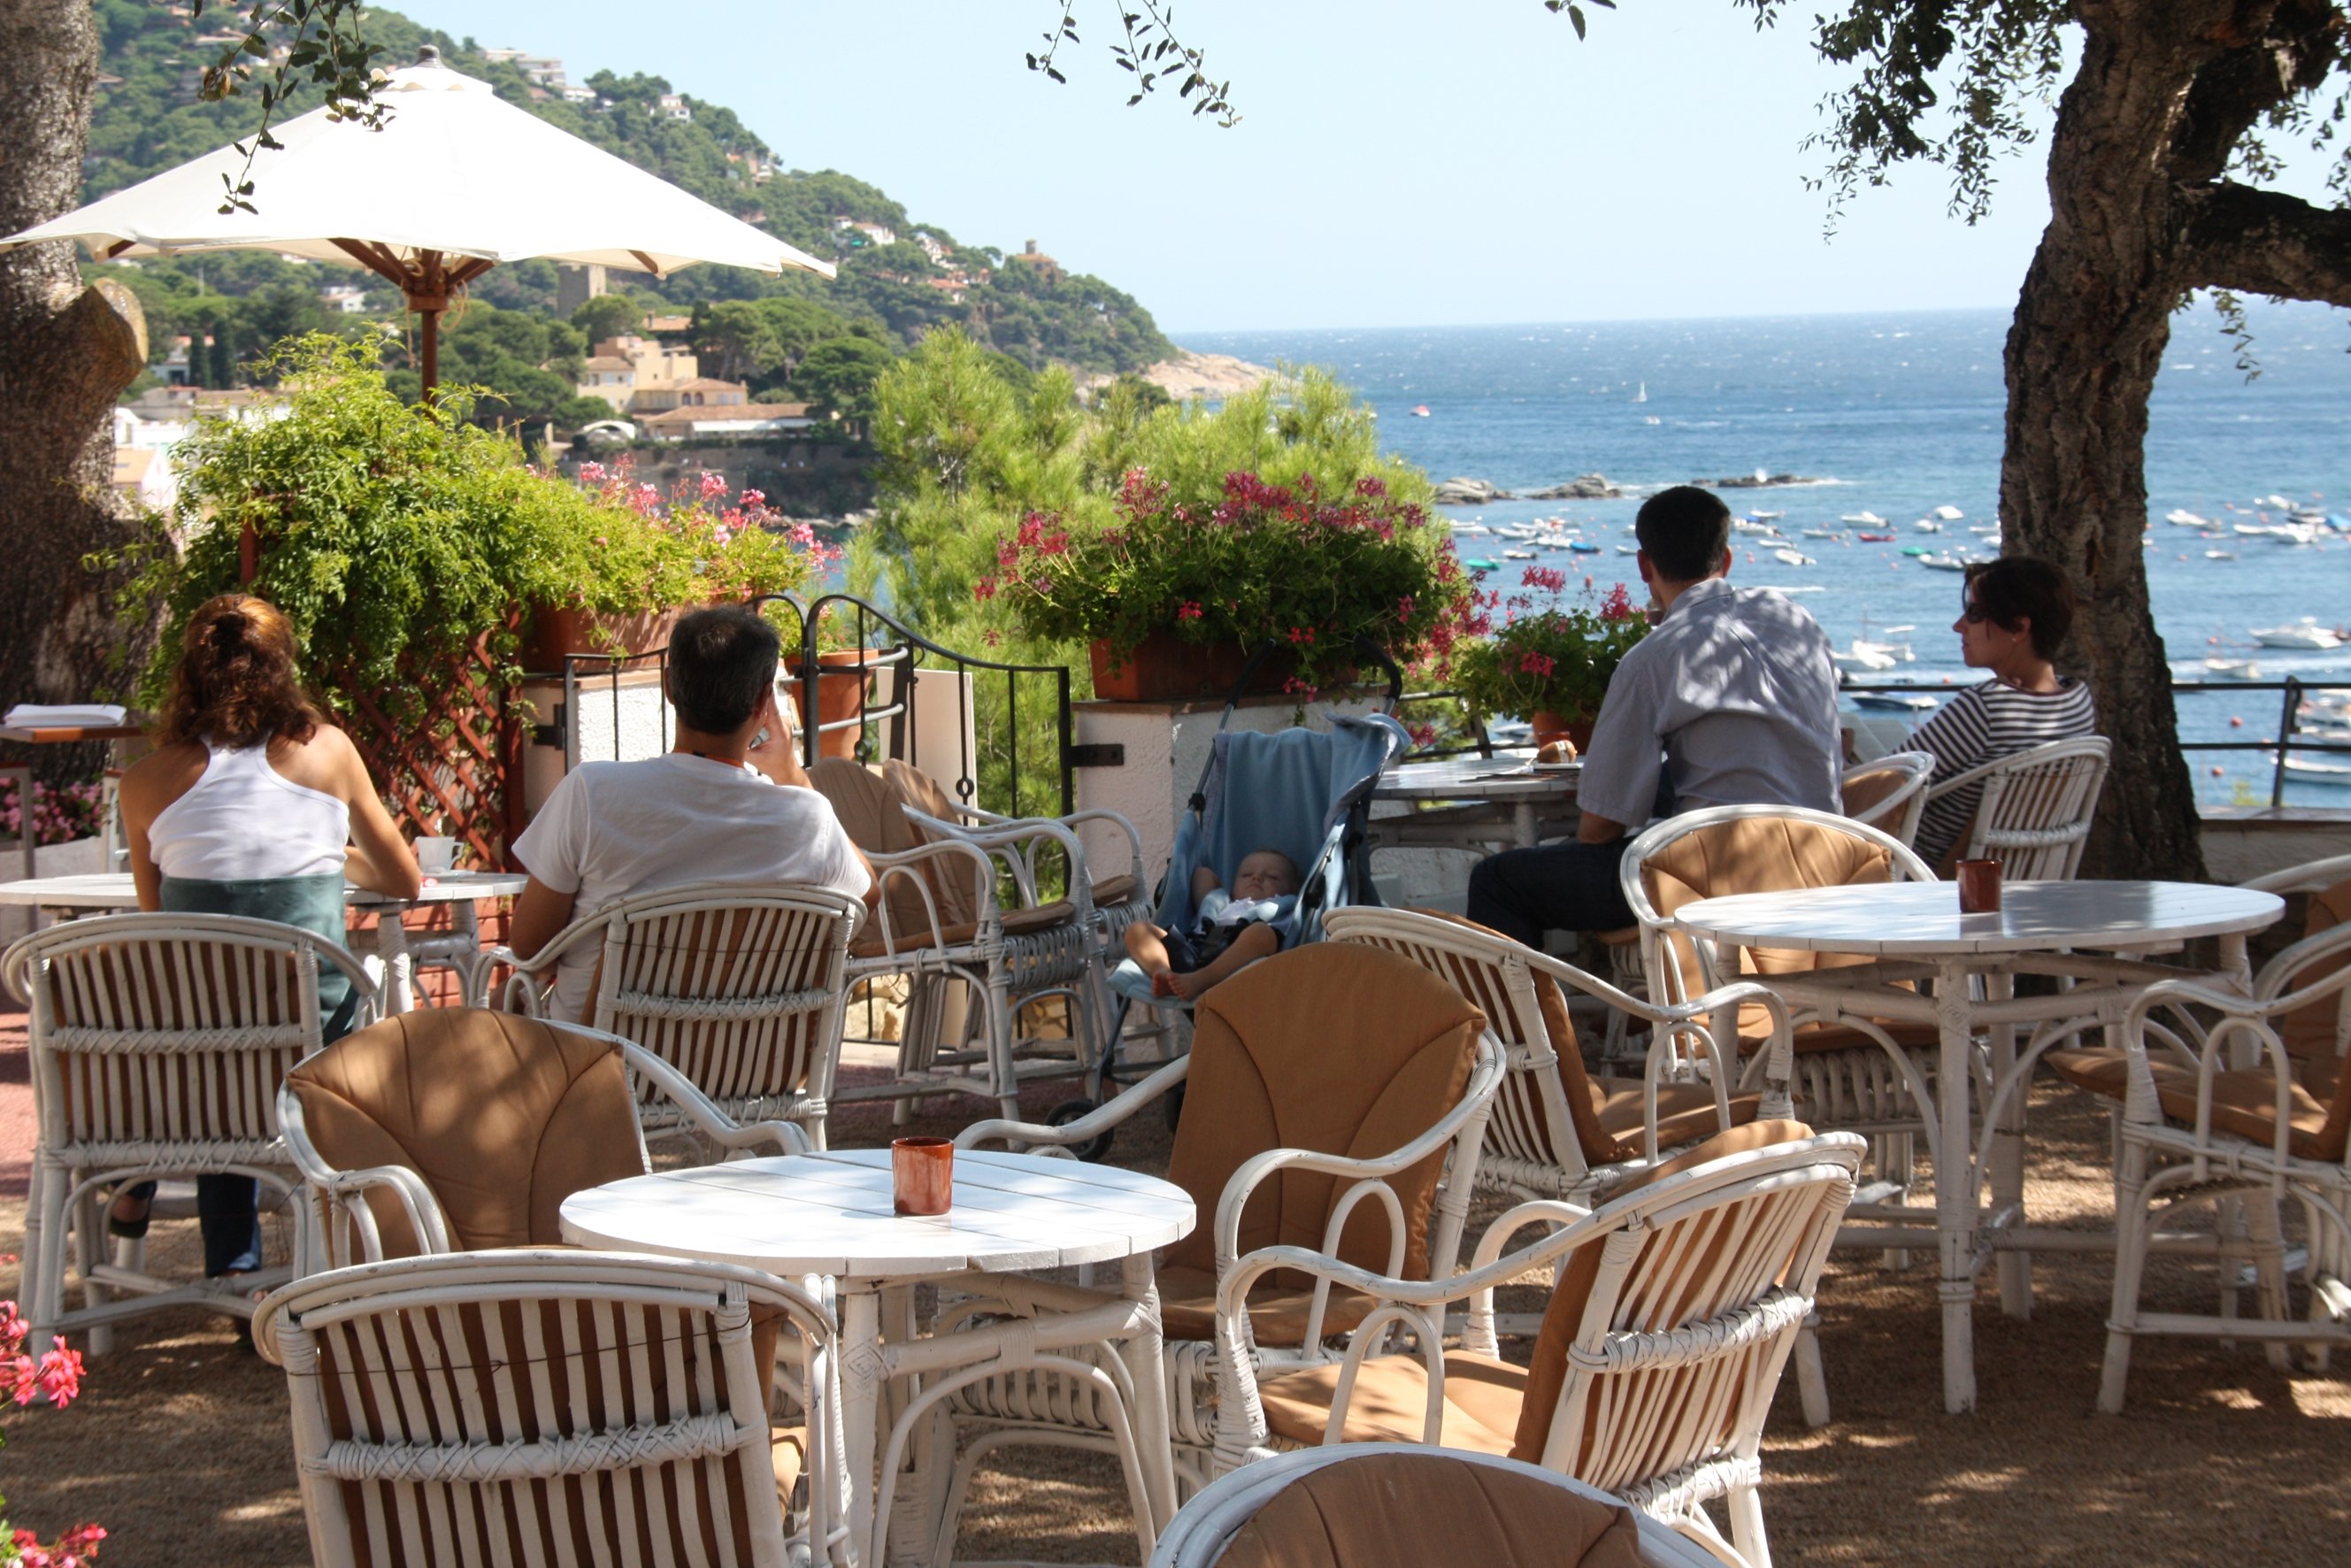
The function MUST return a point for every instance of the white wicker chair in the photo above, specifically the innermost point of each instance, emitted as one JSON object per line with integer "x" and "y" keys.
{"x": 1851, "y": 1072}
{"x": 1677, "y": 1303}
{"x": 2212, "y": 1131}
{"x": 1257, "y": 1032}
{"x": 742, "y": 989}
{"x": 158, "y": 1042}
{"x": 553, "y": 1407}
{"x": 941, "y": 919}
{"x": 460, "y": 1129}
{"x": 2034, "y": 814}
{"x": 1536, "y": 1146}
{"x": 1889, "y": 793}
{"x": 1400, "y": 1505}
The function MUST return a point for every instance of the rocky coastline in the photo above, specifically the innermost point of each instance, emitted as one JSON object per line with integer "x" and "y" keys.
{"x": 1469, "y": 492}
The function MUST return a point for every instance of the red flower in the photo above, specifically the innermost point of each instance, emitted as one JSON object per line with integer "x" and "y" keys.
{"x": 1404, "y": 608}
{"x": 1549, "y": 579}
{"x": 1301, "y": 634}
{"x": 1189, "y": 611}
{"x": 1617, "y": 606}
{"x": 1535, "y": 664}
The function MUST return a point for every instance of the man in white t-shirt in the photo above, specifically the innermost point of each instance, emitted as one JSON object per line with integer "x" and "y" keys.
{"x": 729, "y": 804}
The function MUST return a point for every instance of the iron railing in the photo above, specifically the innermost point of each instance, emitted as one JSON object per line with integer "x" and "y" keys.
{"x": 2287, "y": 742}
{"x": 890, "y": 653}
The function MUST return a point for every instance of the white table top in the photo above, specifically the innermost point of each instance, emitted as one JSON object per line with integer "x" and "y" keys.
{"x": 830, "y": 1214}
{"x": 1499, "y": 778}
{"x": 114, "y": 889}
{"x": 1923, "y": 918}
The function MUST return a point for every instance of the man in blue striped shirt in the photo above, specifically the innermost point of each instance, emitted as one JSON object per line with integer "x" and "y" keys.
{"x": 1730, "y": 700}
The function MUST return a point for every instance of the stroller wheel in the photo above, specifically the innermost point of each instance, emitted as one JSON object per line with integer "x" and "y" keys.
{"x": 1171, "y": 1103}
{"x": 1094, "y": 1148}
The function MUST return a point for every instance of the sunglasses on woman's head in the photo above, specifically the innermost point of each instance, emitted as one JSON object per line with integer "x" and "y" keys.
{"x": 1974, "y": 614}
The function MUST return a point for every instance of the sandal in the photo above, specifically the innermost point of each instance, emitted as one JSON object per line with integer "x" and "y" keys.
{"x": 130, "y": 1229}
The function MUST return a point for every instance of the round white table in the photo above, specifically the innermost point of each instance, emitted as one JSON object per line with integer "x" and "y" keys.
{"x": 1915, "y": 932}
{"x": 1515, "y": 791}
{"x": 829, "y": 1214}
{"x": 65, "y": 896}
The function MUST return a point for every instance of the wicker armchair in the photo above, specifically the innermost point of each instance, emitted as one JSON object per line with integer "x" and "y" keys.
{"x": 1889, "y": 793}
{"x": 2034, "y": 813}
{"x": 557, "y": 1407}
{"x": 1677, "y": 1303}
{"x": 158, "y": 1042}
{"x": 742, "y": 989}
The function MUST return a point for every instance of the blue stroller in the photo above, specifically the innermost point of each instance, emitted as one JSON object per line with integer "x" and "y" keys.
{"x": 1304, "y": 792}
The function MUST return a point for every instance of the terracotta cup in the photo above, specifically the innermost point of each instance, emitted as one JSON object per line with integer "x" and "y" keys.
{"x": 921, "y": 1175}
{"x": 1979, "y": 887}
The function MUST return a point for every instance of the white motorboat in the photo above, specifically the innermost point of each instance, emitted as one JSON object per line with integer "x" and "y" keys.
{"x": 1864, "y": 519}
{"x": 1517, "y": 555}
{"x": 1628, "y": 549}
{"x": 1946, "y": 562}
{"x": 2310, "y": 770}
{"x": 1948, "y": 514}
{"x": 1861, "y": 660}
{"x": 1927, "y": 526}
{"x": 2220, "y": 555}
{"x": 2305, "y": 635}
{"x": 2233, "y": 669}
{"x": 1794, "y": 557}
{"x": 1766, "y": 517}
{"x": 2181, "y": 518}
{"x": 1753, "y": 526}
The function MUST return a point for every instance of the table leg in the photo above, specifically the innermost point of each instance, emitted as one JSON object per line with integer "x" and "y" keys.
{"x": 1956, "y": 1211}
{"x": 399, "y": 965}
{"x": 1146, "y": 1363}
{"x": 863, "y": 1377}
{"x": 2008, "y": 1155}
{"x": 1523, "y": 832}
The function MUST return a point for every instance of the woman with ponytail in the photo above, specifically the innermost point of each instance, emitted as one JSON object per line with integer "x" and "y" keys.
{"x": 251, "y": 804}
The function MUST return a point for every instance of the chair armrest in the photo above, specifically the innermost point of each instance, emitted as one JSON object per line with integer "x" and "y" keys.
{"x": 904, "y": 866}
{"x": 713, "y": 1122}
{"x": 1092, "y": 1125}
{"x": 1018, "y": 839}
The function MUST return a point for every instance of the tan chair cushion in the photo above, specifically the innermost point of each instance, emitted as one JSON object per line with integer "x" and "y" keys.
{"x": 867, "y": 801}
{"x": 1332, "y": 1048}
{"x": 1431, "y": 1509}
{"x": 1016, "y": 922}
{"x": 788, "y": 1452}
{"x": 1188, "y": 1309}
{"x": 1579, "y": 1272}
{"x": 502, "y": 1116}
{"x": 2244, "y": 1100}
{"x": 2312, "y": 1031}
{"x": 1111, "y": 892}
{"x": 1390, "y": 1402}
{"x": 1684, "y": 1111}
{"x": 1866, "y": 790}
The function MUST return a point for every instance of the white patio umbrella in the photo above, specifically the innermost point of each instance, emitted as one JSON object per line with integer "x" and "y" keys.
{"x": 455, "y": 182}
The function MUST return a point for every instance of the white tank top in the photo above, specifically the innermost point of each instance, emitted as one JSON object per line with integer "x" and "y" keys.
{"x": 245, "y": 819}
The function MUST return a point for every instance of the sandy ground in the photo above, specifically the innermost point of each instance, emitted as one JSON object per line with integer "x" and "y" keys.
{"x": 179, "y": 1445}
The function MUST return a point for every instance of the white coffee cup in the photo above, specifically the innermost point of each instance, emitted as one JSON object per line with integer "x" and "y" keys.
{"x": 437, "y": 857}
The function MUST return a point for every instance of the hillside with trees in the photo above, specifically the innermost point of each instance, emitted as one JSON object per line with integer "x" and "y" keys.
{"x": 797, "y": 338}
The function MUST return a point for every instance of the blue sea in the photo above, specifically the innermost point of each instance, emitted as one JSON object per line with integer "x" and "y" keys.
{"x": 1896, "y": 415}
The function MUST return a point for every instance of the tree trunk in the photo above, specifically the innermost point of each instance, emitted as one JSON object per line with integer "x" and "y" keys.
{"x": 65, "y": 353}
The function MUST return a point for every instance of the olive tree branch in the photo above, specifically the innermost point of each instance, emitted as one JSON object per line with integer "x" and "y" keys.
{"x": 321, "y": 42}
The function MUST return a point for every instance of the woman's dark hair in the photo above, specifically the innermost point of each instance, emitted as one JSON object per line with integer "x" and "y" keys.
{"x": 1684, "y": 531}
{"x": 236, "y": 684}
{"x": 720, "y": 661}
{"x": 2018, "y": 588}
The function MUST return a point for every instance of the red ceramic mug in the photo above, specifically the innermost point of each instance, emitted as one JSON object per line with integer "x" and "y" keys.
{"x": 1979, "y": 887}
{"x": 922, "y": 1176}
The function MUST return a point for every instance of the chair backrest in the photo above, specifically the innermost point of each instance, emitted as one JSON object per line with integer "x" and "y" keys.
{"x": 1889, "y": 793}
{"x": 2318, "y": 1033}
{"x": 1677, "y": 1306}
{"x": 1726, "y": 850}
{"x": 2034, "y": 814}
{"x": 1351, "y": 1504}
{"x": 169, "y": 1029}
{"x": 1545, "y": 1112}
{"x": 502, "y": 1116}
{"x": 560, "y": 1407}
{"x": 869, "y": 804}
{"x": 1338, "y": 1049}
{"x": 741, "y": 989}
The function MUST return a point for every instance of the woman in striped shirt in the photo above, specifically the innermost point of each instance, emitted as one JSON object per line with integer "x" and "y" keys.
{"x": 2018, "y": 609}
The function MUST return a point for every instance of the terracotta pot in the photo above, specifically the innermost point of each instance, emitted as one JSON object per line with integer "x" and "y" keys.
{"x": 555, "y": 631}
{"x": 1549, "y": 726}
{"x": 841, "y": 691}
{"x": 1165, "y": 668}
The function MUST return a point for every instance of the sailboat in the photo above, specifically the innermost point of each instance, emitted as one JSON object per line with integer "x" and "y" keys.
{"x": 1642, "y": 395}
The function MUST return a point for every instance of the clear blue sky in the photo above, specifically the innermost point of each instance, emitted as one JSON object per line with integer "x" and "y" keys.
{"x": 1397, "y": 163}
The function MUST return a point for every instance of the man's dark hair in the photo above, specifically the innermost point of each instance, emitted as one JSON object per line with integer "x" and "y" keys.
{"x": 1684, "y": 532}
{"x": 2017, "y": 588}
{"x": 720, "y": 661}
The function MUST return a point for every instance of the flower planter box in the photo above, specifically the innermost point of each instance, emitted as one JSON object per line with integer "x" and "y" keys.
{"x": 555, "y": 631}
{"x": 1165, "y": 668}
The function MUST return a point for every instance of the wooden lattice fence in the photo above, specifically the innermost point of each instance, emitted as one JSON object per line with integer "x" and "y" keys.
{"x": 445, "y": 750}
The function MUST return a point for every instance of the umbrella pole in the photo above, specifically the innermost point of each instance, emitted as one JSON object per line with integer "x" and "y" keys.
{"x": 432, "y": 356}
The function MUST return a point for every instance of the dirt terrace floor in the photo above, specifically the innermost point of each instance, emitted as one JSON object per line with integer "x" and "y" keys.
{"x": 179, "y": 1445}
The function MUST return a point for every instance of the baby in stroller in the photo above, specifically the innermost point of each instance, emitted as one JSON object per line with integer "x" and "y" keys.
{"x": 1234, "y": 929}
